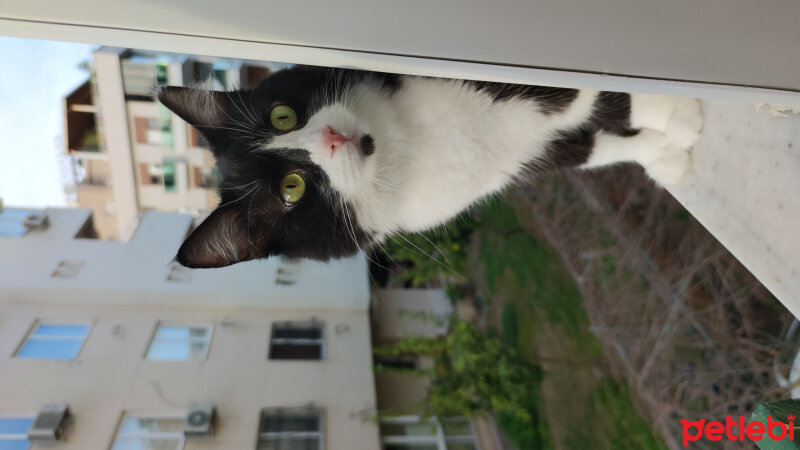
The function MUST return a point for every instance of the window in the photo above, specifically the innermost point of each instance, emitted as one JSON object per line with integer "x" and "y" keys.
{"x": 54, "y": 341}
{"x": 14, "y": 433}
{"x": 12, "y": 222}
{"x": 297, "y": 340}
{"x": 401, "y": 362}
{"x": 206, "y": 177}
{"x": 415, "y": 433}
{"x": 159, "y": 174}
{"x": 153, "y": 131}
{"x": 179, "y": 342}
{"x": 67, "y": 269}
{"x": 149, "y": 433}
{"x": 197, "y": 139}
{"x": 178, "y": 273}
{"x": 290, "y": 428}
{"x": 288, "y": 272}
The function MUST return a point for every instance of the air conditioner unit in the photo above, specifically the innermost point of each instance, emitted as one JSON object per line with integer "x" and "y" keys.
{"x": 36, "y": 221}
{"x": 200, "y": 420}
{"x": 49, "y": 423}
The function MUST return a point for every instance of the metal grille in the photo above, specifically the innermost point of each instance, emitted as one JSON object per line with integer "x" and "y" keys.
{"x": 298, "y": 428}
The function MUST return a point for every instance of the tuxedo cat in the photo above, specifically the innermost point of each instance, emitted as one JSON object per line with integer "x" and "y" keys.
{"x": 320, "y": 163}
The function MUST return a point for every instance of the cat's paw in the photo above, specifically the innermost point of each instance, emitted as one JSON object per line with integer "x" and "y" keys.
{"x": 680, "y": 121}
{"x": 666, "y": 114}
{"x": 684, "y": 125}
{"x": 671, "y": 165}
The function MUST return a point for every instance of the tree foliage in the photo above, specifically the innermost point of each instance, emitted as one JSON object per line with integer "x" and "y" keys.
{"x": 431, "y": 254}
{"x": 474, "y": 371}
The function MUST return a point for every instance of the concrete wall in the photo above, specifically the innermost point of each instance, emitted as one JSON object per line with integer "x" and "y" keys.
{"x": 110, "y": 375}
{"x": 97, "y": 197}
{"x": 114, "y": 128}
{"x": 138, "y": 272}
{"x": 398, "y": 313}
{"x": 410, "y": 312}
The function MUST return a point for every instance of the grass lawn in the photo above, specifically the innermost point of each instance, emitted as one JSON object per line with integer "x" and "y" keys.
{"x": 538, "y": 308}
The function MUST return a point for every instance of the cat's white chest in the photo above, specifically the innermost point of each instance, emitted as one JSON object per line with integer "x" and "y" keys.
{"x": 450, "y": 145}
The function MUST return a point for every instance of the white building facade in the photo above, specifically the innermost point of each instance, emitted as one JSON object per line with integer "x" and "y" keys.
{"x": 130, "y": 341}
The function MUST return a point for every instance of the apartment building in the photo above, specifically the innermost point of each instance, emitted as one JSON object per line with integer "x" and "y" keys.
{"x": 133, "y": 153}
{"x": 125, "y": 349}
{"x": 130, "y": 343}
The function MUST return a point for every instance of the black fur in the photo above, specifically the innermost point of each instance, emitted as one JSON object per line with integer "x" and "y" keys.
{"x": 254, "y": 221}
{"x": 253, "y": 218}
{"x": 611, "y": 114}
{"x": 551, "y": 99}
{"x": 367, "y": 145}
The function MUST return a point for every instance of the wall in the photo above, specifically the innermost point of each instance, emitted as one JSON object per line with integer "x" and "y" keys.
{"x": 137, "y": 272}
{"x": 407, "y": 312}
{"x": 97, "y": 197}
{"x": 110, "y": 375}
{"x": 111, "y": 102}
{"x": 688, "y": 48}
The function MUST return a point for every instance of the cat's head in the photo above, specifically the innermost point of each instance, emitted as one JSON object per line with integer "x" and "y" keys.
{"x": 293, "y": 155}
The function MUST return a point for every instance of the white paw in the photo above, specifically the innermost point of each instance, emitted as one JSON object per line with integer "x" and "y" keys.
{"x": 685, "y": 123}
{"x": 679, "y": 117}
{"x": 669, "y": 168}
{"x": 680, "y": 120}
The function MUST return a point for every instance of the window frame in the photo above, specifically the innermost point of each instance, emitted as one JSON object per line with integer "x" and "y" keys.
{"x": 156, "y": 435}
{"x": 439, "y": 437}
{"x": 208, "y": 337}
{"x": 38, "y": 322}
{"x": 312, "y": 411}
{"x": 289, "y": 324}
{"x": 17, "y": 437}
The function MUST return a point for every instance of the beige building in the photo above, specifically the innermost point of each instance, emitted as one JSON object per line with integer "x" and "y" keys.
{"x": 281, "y": 348}
{"x": 132, "y": 345}
{"x": 133, "y": 153}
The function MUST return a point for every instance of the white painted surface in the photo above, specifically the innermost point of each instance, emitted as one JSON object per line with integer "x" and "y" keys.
{"x": 744, "y": 186}
{"x": 136, "y": 272}
{"x": 618, "y": 45}
{"x": 730, "y": 41}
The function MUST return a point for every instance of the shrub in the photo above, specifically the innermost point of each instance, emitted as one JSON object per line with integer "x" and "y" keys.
{"x": 474, "y": 371}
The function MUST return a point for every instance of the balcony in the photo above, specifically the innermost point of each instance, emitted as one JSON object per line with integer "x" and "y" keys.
{"x": 81, "y": 131}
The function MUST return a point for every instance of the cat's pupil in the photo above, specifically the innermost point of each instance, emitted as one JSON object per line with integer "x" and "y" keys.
{"x": 290, "y": 186}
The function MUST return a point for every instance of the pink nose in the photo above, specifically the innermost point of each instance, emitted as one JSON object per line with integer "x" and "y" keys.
{"x": 331, "y": 139}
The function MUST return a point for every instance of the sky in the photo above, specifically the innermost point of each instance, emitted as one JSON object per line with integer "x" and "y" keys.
{"x": 35, "y": 76}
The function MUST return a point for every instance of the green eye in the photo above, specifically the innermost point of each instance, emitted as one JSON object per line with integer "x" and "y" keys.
{"x": 283, "y": 118}
{"x": 292, "y": 188}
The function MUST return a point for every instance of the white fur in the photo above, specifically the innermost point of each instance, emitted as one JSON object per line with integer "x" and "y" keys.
{"x": 441, "y": 145}
{"x": 670, "y": 126}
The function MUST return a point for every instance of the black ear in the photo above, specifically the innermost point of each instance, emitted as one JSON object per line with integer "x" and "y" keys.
{"x": 203, "y": 109}
{"x": 221, "y": 240}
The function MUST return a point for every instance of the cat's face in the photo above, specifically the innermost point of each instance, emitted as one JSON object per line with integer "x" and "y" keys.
{"x": 293, "y": 154}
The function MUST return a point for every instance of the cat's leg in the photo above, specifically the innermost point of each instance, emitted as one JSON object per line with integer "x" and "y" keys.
{"x": 680, "y": 118}
{"x": 668, "y": 127}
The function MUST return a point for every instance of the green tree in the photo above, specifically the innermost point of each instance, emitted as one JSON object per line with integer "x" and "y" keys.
{"x": 474, "y": 371}
{"x": 432, "y": 254}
